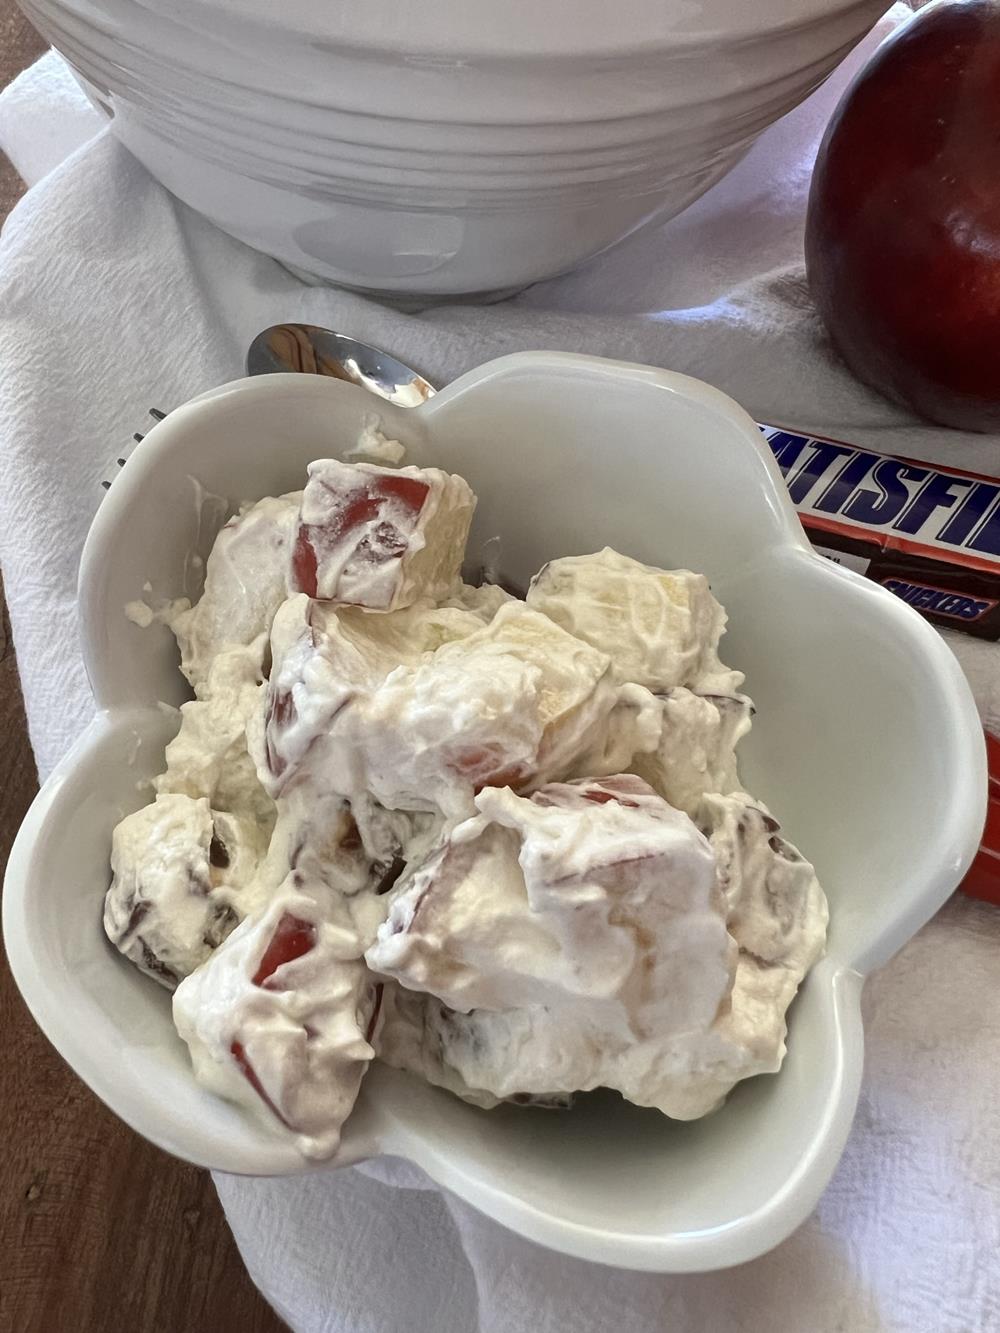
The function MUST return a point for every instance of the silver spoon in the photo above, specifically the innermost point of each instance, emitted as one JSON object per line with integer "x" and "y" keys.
{"x": 312, "y": 350}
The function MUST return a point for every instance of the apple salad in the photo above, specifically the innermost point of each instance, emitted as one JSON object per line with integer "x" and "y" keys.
{"x": 498, "y": 842}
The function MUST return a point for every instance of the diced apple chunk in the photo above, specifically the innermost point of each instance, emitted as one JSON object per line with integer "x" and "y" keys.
{"x": 178, "y": 869}
{"x": 696, "y": 752}
{"x": 324, "y": 657}
{"x": 514, "y": 704}
{"x": 379, "y": 537}
{"x": 571, "y": 940}
{"x": 660, "y": 627}
{"x": 279, "y": 1020}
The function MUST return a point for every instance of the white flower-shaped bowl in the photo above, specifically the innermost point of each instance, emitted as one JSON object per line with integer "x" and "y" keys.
{"x": 866, "y": 743}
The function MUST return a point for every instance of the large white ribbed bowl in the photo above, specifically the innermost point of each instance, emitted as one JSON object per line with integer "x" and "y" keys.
{"x": 473, "y": 146}
{"x": 866, "y": 742}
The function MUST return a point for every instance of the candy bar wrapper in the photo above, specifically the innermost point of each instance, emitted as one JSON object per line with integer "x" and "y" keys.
{"x": 931, "y": 535}
{"x": 983, "y": 879}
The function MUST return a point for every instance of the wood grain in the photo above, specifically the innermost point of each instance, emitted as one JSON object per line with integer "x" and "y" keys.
{"x": 99, "y": 1231}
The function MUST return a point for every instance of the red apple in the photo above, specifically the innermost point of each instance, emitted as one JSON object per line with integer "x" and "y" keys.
{"x": 903, "y": 228}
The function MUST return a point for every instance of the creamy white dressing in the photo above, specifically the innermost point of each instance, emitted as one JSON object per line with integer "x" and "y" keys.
{"x": 502, "y": 844}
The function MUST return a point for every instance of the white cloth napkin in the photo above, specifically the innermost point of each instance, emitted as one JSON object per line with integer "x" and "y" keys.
{"x": 115, "y": 298}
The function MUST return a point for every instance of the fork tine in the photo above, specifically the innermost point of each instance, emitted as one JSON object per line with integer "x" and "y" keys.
{"x": 157, "y": 415}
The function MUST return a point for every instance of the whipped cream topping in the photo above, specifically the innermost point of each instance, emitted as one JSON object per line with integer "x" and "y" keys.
{"x": 245, "y": 583}
{"x": 510, "y": 701}
{"x": 507, "y": 705}
{"x": 695, "y": 749}
{"x": 374, "y": 446}
{"x": 484, "y": 601}
{"x": 502, "y": 843}
{"x": 208, "y": 756}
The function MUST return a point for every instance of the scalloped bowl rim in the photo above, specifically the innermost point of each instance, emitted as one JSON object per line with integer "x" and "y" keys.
{"x": 386, "y": 1130}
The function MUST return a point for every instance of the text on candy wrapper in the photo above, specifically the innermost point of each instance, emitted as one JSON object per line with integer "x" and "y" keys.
{"x": 925, "y": 597}
{"x": 916, "y": 506}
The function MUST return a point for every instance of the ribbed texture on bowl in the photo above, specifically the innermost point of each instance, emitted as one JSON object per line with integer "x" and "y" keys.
{"x": 600, "y": 140}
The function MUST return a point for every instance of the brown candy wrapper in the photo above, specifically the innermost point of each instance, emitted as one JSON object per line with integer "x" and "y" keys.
{"x": 929, "y": 534}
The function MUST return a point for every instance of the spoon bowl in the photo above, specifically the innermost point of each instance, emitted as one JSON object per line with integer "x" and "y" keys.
{"x": 312, "y": 350}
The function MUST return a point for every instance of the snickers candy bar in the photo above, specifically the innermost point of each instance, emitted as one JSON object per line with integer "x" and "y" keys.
{"x": 929, "y": 534}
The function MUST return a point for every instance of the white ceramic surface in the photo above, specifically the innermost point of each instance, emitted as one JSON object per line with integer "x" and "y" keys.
{"x": 866, "y": 743}
{"x": 465, "y": 146}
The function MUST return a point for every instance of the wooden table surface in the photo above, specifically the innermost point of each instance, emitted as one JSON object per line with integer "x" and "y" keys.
{"x": 99, "y": 1231}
